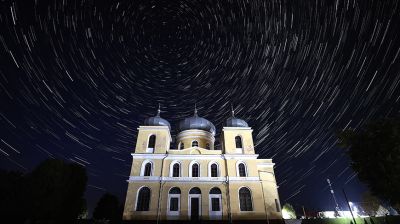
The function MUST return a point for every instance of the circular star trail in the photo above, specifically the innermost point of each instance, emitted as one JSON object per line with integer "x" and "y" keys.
{"x": 78, "y": 77}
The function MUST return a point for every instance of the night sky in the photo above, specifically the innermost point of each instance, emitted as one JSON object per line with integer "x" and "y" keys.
{"x": 78, "y": 77}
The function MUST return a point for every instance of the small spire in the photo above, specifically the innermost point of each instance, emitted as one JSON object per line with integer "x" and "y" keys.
{"x": 233, "y": 112}
{"x": 195, "y": 110}
{"x": 159, "y": 110}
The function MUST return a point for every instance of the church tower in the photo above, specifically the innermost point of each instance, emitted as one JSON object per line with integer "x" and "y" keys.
{"x": 196, "y": 181}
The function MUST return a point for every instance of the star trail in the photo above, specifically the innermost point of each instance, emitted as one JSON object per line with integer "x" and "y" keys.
{"x": 78, "y": 77}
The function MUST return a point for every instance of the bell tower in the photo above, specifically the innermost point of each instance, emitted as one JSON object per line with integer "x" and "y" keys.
{"x": 237, "y": 136}
{"x": 154, "y": 136}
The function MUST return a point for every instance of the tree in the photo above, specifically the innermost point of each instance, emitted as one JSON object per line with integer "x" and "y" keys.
{"x": 12, "y": 196}
{"x": 375, "y": 154}
{"x": 108, "y": 208}
{"x": 288, "y": 211}
{"x": 57, "y": 191}
{"x": 370, "y": 203}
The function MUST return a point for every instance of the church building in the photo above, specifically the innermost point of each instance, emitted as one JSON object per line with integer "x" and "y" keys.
{"x": 197, "y": 181}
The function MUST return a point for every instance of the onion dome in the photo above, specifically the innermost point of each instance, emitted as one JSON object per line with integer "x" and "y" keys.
{"x": 235, "y": 122}
{"x": 157, "y": 120}
{"x": 196, "y": 122}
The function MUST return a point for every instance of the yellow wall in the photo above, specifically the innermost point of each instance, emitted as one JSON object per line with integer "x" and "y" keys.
{"x": 163, "y": 139}
{"x": 229, "y": 135}
{"x": 260, "y": 174}
{"x": 188, "y": 136}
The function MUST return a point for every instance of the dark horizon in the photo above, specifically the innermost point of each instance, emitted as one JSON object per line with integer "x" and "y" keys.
{"x": 78, "y": 77}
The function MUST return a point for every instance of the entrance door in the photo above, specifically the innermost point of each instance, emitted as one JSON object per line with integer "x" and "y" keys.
{"x": 195, "y": 208}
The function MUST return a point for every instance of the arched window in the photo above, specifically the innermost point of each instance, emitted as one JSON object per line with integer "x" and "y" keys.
{"x": 174, "y": 196}
{"x": 208, "y": 146}
{"x": 238, "y": 141}
{"x": 143, "y": 199}
{"x": 176, "y": 170}
{"x": 242, "y": 170}
{"x": 245, "y": 201}
{"x": 181, "y": 146}
{"x": 215, "y": 190}
{"x": 195, "y": 190}
{"x": 175, "y": 190}
{"x": 152, "y": 142}
{"x": 195, "y": 170}
{"x": 195, "y": 144}
{"x": 147, "y": 169}
{"x": 214, "y": 170}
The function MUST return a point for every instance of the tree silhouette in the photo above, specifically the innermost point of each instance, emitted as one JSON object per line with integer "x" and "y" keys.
{"x": 57, "y": 190}
{"x": 375, "y": 154}
{"x": 108, "y": 208}
{"x": 12, "y": 196}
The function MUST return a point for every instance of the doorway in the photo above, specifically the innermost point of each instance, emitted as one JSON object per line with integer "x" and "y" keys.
{"x": 194, "y": 209}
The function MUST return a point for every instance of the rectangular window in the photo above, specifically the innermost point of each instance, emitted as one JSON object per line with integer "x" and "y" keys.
{"x": 214, "y": 172}
{"x": 173, "y": 205}
{"x": 215, "y": 204}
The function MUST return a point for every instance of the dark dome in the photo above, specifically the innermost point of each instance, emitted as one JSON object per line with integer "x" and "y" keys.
{"x": 196, "y": 122}
{"x": 235, "y": 122}
{"x": 156, "y": 121}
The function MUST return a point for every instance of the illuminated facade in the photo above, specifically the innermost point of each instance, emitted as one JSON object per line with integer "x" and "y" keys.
{"x": 195, "y": 181}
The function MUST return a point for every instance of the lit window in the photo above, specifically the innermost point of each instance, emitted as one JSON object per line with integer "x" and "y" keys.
{"x": 195, "y": 144}
{"x": 143, "y": 200}
{"x": 245, "y": 199}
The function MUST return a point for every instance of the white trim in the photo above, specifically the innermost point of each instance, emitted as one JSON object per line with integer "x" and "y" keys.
{"x": 180, "y": 145}
{"x": 190, "y": 196}
{"x": 137, "y": 197}
{"x": 251, "y": 196}
{"x": 245, "y": 168}
{"x": 215, "y": 215}
{"x": 171, "y": 168}
{"x": 197, "y": 157}
{"x": 243, "y": 156}
{"x": 244, "y": 178}
{"x": 209, "y": 168}
{"x": 195, "y": 133}
{"x": 166, "y": 128}
{"x": 266, "y": 164}
{"x": 144, "y": 178}
{"x": 148, "y": 156}
{"x": 142, "y": 169}
{"x": 236, "y": 128}
{"x": 171, "y": 214}
{"x": 190, "y": 168}
{"x": 211, "y": 180}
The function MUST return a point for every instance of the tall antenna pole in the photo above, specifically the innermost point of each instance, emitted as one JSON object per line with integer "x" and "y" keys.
{"x": 337, "y": 209}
